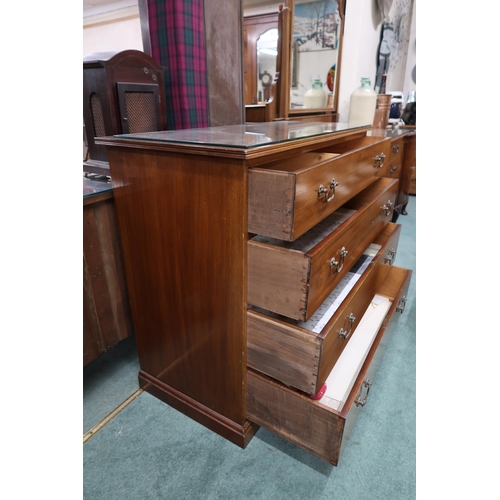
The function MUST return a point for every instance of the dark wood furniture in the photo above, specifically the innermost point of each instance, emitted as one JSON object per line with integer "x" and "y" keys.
{"x": 122, "y": 93}
{"x": 106, "y": 311}
{"x": 213, "y": 224}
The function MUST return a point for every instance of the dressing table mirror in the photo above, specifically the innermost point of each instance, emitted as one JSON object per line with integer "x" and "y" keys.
{"x": 309, "y": 47}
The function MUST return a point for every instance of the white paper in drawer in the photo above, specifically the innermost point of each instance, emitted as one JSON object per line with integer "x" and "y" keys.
{"x": 343, "y": 375}
{"x": 327, "y": 309}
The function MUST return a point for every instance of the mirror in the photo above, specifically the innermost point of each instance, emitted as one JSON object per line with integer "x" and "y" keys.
{"x": 309, "y": 47}
{"x": 316, "y": 44}
{"x": 267, "y": 50}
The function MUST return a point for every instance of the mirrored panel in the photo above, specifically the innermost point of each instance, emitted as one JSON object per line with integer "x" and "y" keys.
{"x": 267, "y": 51}
{"x": 316, "y": 45}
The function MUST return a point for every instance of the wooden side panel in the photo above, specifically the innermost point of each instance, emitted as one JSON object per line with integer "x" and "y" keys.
{"x": 294, "y": 417}
{"x": 282, "y": 351}
{"x": 278, "y": 279}
{"x": 183, "y": 224}
{"x": 271, "y": 197}
{"x": 107, "y": 317}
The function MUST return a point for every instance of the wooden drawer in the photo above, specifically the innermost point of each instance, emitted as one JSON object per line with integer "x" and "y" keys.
{"x": 293, "y": 279}
{"x": 288, "y": 197}
{"x": 394, "y": 166}
{"x": 302, "y": 355}
{"x": 313, "y": 425}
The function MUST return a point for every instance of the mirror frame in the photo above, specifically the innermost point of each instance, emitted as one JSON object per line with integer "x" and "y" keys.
{"x": 278, "y": 107}
{"x": 333, "y": 109}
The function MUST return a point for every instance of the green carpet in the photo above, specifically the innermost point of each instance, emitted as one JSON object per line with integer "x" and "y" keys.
{"x": 151, "y": 451}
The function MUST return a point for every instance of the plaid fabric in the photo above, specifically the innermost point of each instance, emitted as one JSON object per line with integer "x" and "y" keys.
{"x": 177, "y": 34}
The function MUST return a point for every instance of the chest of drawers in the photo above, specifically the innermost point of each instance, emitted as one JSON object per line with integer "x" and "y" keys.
{"x": 235, "y": 239}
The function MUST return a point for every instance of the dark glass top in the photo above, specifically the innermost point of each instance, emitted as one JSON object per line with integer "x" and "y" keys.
{"x": 91, "y": 187}
{"x": 246, "y": 136}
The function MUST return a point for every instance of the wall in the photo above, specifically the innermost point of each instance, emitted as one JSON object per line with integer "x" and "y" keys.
{"x": 117, "y": 29}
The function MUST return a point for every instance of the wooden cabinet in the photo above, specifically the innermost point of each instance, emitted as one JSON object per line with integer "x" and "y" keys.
{"x": 259, "y": 262}
{"x": 106, "y": 311}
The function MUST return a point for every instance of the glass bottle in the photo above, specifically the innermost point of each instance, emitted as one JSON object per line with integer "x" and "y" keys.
{"x": 315, "y": 97}
{"x": 362, "y": 104}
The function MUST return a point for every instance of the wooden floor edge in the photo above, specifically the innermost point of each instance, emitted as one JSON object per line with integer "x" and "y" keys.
{"x": 94, "y": 430}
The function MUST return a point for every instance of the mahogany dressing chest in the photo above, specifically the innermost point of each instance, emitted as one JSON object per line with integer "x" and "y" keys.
{"x": 259, "y": 261}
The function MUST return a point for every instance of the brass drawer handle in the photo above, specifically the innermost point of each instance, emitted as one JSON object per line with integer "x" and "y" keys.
{"x": 338, "y": 264}
{"x": 401, "y": 304}
{"x": 387, "y": 208}
{"x": 393, "y": 169}
{"x": 390, "y": 256}
{"x": 379, "y": 160}
{"x": 323, "y": 190}
{"x": 344, "y": 333}
{"x": 361, "y": 402}
{"x": 395, "y": 149}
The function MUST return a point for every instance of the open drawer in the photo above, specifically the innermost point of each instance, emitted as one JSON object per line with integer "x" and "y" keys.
{"x": 302, "y": 354}
{"x": 311, "y": 424}
{"x": 289, "y": 196}
{"x": 294, "y": 278}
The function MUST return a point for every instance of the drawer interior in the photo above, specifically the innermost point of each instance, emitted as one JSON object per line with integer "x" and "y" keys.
{"x": 353, "y": 145}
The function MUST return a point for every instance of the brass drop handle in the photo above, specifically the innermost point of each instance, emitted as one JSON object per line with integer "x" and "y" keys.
{"x": 361, "y": 402}
{"x": 379, "y": 160}
{"x": 387, "y": 208}
{"x": 323, "y": 190}
{"x": 340, "y": 263}
{"x": 344, "y": 333}
{"x": 390, "y": 256}
{"x": 401, "y": 304}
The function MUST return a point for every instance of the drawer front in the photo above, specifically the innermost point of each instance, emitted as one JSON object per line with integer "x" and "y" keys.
{"x": 394, "y": 164}
{"x": 288, "y": 198}
{"x": 388, "y": 239}
{"x": 310, "y": 424}
{"x": 295, "y": 284}
{"x": 302, "y": 358}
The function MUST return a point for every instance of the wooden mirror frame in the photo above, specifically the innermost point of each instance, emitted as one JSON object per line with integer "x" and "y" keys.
{"x": 278, "y": 106}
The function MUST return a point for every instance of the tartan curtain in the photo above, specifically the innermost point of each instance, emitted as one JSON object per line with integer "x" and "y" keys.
{"x": 177, "y": 34}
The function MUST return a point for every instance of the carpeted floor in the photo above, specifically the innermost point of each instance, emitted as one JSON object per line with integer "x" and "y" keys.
{"x": 150, "y": 451}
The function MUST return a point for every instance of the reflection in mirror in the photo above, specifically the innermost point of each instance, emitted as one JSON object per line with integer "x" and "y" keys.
{"x": 267, "y": 50}
{"x": 315, "y": 48}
